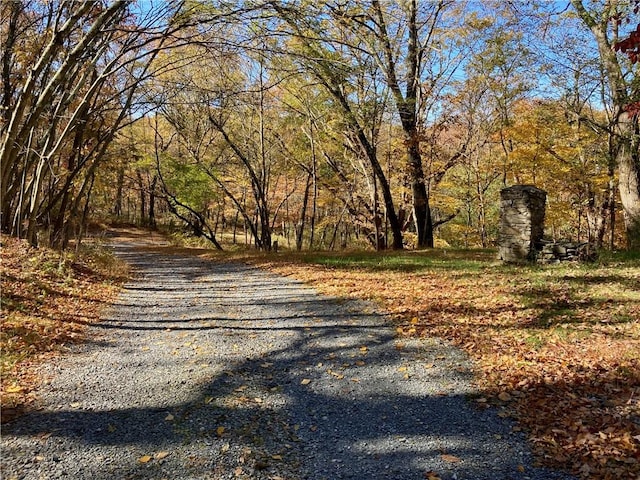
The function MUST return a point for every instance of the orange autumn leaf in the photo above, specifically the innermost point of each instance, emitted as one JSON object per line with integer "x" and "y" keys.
{"x": 450, "y": 458}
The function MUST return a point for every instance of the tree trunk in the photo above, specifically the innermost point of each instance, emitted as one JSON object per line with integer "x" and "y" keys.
{"x": 628, "y": 160}
{"x": 152, "y": 202}
{"x": 612, "y": 206}
{"x": 8, "y": 89}
{"x": 421, "y": 208}
{"x": 85, "y": 215}
{"x": 624, "y": 127}
{"x": 314, "y": 205}
{"x": 117, "y": 207}
{"x": 394, "y": 223}
{"x": 482, "y": 213}
{"x": 143, "y": 199}
{"x": 406, "y": 105}
{"x": 303, "y": 214}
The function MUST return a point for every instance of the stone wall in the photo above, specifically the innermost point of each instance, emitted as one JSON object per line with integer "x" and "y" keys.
{"x": 554, "y": 252}
{"x": 522, "y": 210}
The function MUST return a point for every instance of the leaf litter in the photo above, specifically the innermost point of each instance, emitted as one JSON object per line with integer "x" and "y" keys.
{"x": 48, "y": 299}
{"x": 557, "y": 348}
{"x": 563, "y": 361}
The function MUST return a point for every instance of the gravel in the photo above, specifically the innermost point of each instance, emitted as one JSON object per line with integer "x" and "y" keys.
{"x": 207, "y": 370}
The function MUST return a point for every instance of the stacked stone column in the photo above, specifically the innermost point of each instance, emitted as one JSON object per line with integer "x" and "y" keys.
{"x": 522, "y": 211}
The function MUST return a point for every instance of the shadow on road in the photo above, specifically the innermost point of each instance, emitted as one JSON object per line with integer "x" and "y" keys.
{"x": 275, "y": 375}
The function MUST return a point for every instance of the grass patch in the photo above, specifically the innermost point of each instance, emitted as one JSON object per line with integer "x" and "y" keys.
{"x": 411, "y": 262}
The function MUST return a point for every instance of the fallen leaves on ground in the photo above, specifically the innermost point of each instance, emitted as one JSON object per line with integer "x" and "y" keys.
{"x": 47, "y": 300}
{"x": 557, "y": 347}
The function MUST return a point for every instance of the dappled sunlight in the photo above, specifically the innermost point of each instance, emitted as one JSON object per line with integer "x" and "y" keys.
{"x": 547, "y": 340}
{"x": 267, "y": 380}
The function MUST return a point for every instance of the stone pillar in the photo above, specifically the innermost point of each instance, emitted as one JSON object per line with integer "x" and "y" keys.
{"x": 522, "y": 209}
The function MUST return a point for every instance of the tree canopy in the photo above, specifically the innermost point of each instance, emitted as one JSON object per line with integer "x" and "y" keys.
{"x": 319, "y": 124}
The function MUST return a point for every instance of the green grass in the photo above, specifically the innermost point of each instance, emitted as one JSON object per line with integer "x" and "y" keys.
{"x": 454, "y": 259}
{"x": 626, "y": 257}
{"x": 406, "y": 261}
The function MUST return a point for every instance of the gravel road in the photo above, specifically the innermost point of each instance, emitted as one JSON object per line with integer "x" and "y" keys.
{"x": 205, "y": 370}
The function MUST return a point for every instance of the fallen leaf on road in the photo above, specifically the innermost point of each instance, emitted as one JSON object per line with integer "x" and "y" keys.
{"x": 450, "y": 458}
{"x": 145, "y": 459}
{"x": 161, "y": 455}
{"x": 504, "y": 396}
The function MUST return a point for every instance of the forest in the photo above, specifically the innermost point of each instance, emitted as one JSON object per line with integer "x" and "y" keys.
{"x": 319, "y": 125}
{"x": 370, "y": 142}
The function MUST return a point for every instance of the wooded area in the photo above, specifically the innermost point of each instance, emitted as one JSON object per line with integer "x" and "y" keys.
{"x": 319, "y": 124}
